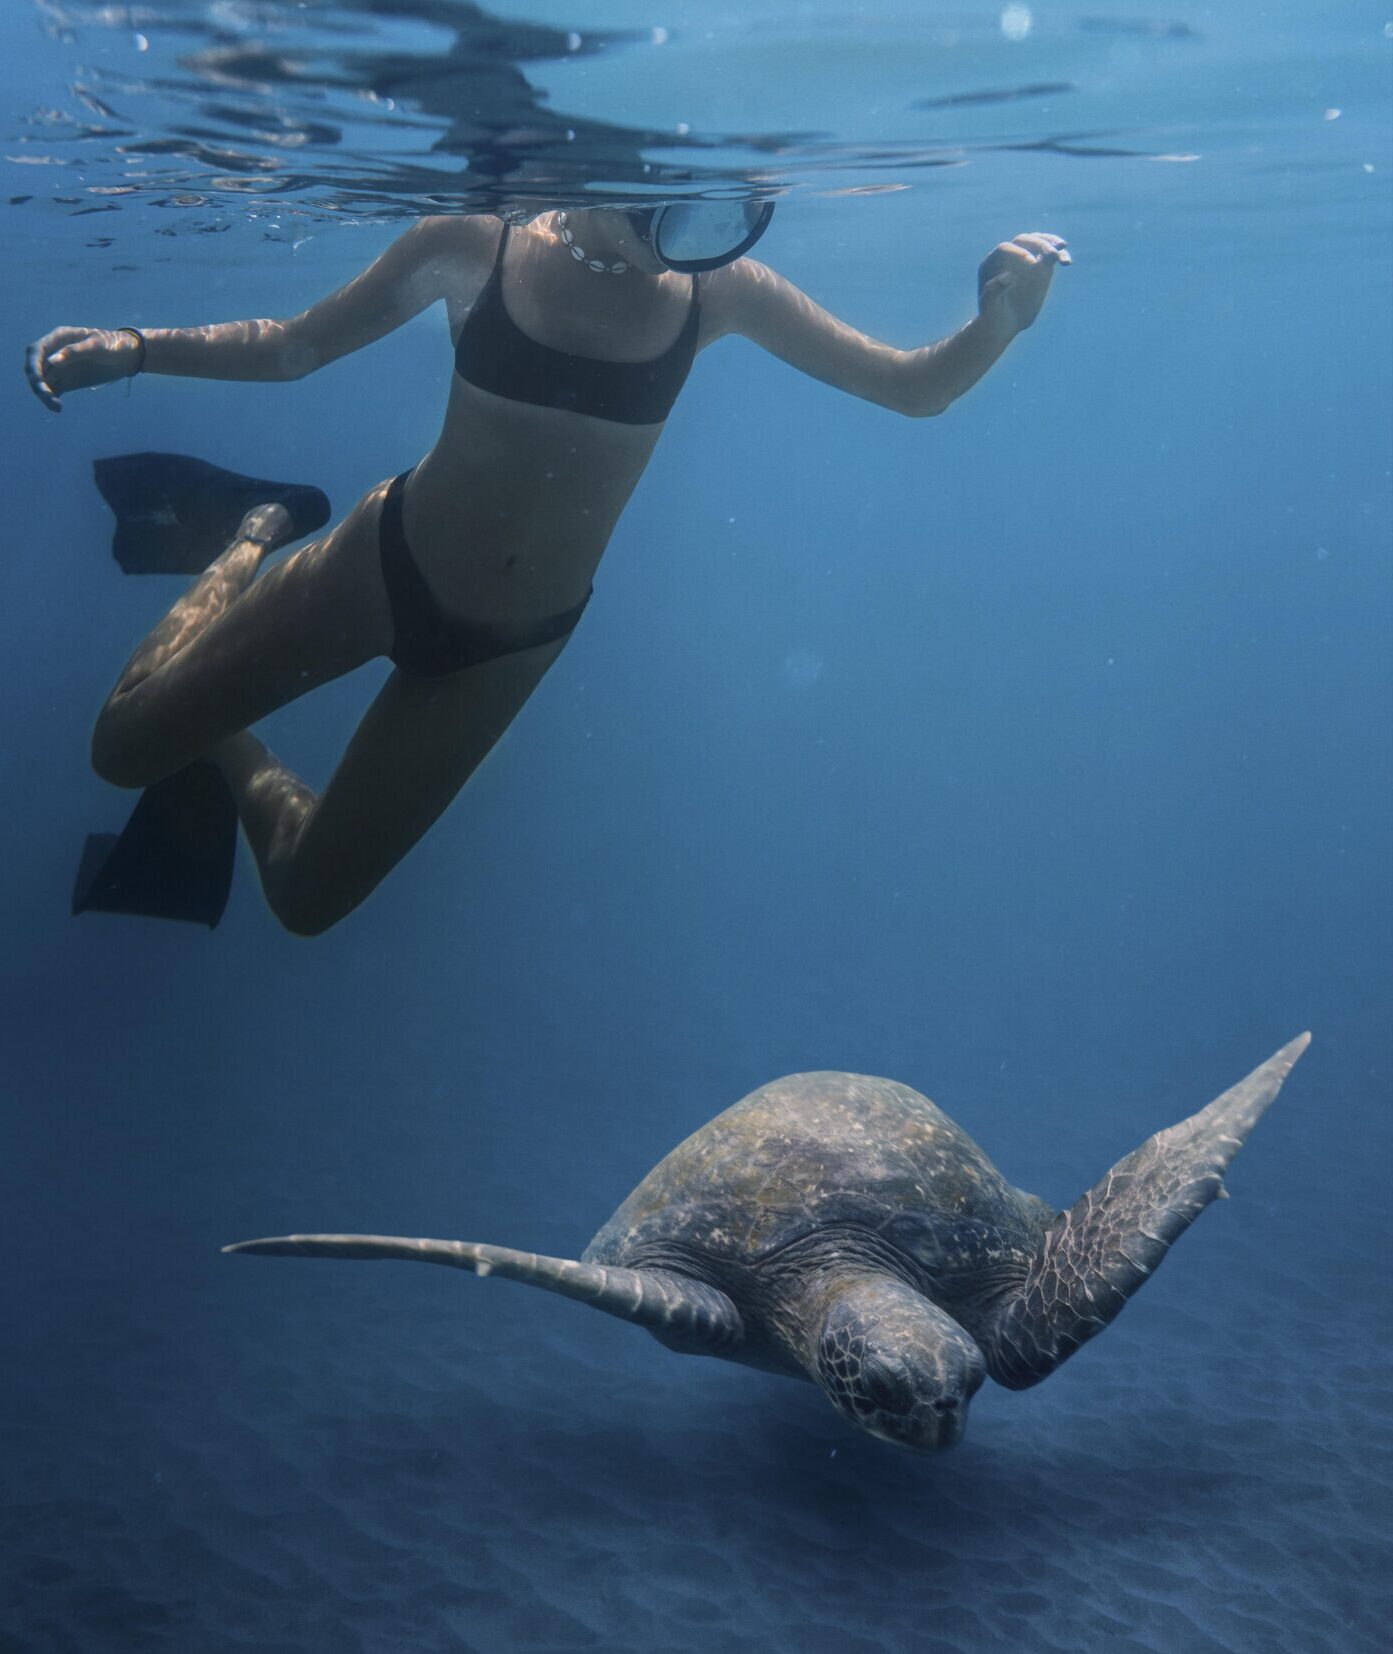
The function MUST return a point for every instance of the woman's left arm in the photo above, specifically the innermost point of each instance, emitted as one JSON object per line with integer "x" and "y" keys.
{"x": 750, "y": 299}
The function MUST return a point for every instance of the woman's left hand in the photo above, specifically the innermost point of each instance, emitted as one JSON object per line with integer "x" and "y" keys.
{"x": 1013, "y": 278}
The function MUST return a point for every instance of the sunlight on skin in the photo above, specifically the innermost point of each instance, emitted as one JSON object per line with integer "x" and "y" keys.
{"x": 261, "y": 530}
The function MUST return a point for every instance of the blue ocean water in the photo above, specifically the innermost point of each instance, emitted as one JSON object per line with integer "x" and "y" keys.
{"x": 1037, "y": 756}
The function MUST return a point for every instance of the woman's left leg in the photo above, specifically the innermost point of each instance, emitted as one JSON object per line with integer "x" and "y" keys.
{"x": 418, "y": 743}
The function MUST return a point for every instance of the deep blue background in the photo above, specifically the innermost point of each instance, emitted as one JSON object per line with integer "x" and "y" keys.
{"x": 1037, "y": 756}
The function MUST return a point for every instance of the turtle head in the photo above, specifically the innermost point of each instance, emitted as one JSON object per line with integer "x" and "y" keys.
{"x": 893, "y": 1364}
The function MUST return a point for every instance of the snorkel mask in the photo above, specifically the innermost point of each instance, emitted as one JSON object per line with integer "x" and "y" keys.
{"x": 691, "y": 236}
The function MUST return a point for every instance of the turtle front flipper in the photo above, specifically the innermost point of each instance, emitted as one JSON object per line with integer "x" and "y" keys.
{"x": 1093, "y": 1257}
{"x": 685, "y": 1314}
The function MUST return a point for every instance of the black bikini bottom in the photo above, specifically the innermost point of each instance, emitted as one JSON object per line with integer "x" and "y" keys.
{"x": 428, "y": 643}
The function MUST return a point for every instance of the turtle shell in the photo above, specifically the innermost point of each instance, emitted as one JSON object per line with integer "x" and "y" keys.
{"x": 819, "y": 1151}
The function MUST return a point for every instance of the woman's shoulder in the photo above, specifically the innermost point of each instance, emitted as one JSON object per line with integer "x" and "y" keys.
{"x": 729, "y": 294}
{"x": 459, "y": 233}
{"x": 452, "y": 252}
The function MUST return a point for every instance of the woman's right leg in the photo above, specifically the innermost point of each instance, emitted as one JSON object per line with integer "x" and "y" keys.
{"x": 234, "y": 648}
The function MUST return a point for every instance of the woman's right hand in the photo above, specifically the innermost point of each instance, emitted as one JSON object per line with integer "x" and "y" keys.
{"x": 76, "y": 359}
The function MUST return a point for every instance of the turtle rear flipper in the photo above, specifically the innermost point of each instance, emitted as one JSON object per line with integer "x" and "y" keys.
{"x": 685, "y": 1314}
{"x": 1097, "y": 1254}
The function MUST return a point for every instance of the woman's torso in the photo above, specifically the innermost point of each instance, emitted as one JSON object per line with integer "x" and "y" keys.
{"x": 510, "y": 512}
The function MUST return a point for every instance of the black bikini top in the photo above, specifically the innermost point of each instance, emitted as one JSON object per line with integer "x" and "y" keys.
{"x": 496, "y": 355}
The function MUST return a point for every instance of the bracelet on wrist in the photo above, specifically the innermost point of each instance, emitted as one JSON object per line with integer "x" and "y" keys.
{"x": 139, "y": 338}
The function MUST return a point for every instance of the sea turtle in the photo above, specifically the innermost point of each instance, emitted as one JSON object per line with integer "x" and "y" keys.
{"x": 841, "y": 1229}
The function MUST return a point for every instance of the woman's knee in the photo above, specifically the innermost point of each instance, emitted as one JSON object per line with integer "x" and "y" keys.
{"x": 304, "y": 921}
{"x": 306, "y": 918}
{"x": 116, "y": 755}
{"x": 305, "y": 908}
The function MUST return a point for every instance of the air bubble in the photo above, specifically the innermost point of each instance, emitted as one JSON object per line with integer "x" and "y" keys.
{"x": 1016, "y": 22}
{"x": 802, "y": 668}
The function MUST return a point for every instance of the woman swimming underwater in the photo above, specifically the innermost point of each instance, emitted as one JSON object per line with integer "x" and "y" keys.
{"x": 573, "y": 335}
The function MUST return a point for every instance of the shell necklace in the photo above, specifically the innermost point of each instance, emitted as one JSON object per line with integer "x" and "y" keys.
{"x": 578, "y": 253}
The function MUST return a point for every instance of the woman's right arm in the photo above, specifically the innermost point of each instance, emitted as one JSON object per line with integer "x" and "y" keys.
{"x": 416, "y": 270}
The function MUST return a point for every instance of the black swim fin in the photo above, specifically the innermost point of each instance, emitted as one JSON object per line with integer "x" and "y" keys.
{"x": 175, "y": 514}
{"x": 172, "y": 860}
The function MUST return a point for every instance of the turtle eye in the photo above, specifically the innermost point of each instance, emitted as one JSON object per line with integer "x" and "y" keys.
{"x": 886, "y": 1389}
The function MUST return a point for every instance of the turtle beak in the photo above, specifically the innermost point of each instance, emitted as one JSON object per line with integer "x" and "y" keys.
{"x": 938, "y": 1427}
{"x": 950, "y": 1425}
{"x": 932, "y": 1428}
